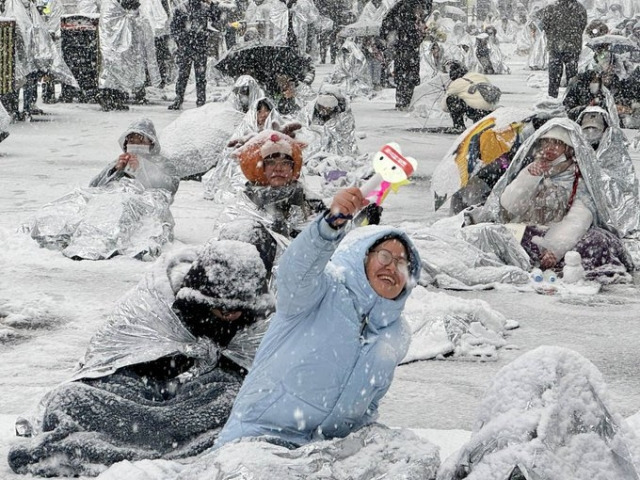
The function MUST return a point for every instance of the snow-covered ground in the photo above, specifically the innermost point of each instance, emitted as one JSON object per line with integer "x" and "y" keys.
{"x": 65, "y": 301}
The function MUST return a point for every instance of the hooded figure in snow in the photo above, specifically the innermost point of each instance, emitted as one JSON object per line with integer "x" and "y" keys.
{"x": 124, "y": 211}
{"x": 141, "y": 159}
{"x": 159, "y": 379}
{"x": 619, "y": 176}
{"x": 352, "y": 72}
{"x": 330, "y": 118}
{"x": 338, "y": 334}
{"x": 554, "y": 186}
{"x": 128, "y": 53}
{"x": 244, "y": 93}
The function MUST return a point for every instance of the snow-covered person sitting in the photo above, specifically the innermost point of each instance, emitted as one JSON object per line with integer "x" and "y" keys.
{"x": 124, "y": 211}
{"x": 554, "y": 189}
{"x": 140, "y": 159}
{"x": 159, "y": 379}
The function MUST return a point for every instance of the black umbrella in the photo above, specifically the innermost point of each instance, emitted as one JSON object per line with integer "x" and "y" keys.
{"x": 263, "y": 61}
{"x": 614, "y": 43}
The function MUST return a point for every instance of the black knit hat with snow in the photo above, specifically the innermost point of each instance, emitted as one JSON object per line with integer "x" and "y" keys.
{"x": 227, "y": 275}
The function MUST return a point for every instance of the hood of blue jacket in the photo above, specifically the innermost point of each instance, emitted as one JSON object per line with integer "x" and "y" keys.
{"x": 347, "y": 265}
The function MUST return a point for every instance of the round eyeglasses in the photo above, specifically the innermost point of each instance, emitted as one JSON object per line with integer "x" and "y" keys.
{"x": 278, "y": 162}
{"x": 385, "y": 258}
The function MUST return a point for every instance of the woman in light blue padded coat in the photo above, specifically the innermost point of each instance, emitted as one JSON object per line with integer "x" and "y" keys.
{"x": 337, "y": 336}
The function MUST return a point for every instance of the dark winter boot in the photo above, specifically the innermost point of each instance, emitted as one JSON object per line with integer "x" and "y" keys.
{"x": 176, "y": 105}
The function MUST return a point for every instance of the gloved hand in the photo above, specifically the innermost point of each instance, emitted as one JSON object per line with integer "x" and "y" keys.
{"x": 370, "y": 215}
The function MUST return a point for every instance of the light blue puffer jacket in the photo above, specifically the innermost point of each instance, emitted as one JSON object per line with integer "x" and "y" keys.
{"x": 332, "y": 347}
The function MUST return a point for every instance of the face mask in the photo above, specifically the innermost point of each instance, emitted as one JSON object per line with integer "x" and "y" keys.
{"x": 594, "y": 88}
{"x": 139, "y": 149}
{"x": 603, "y": 59}
{"x": 592, "y": 135}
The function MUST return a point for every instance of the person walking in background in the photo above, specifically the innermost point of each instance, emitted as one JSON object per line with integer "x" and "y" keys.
{"x": 189, "y": 29}
{"x": 407, "y": 21}
{"x": 563, "y": 22}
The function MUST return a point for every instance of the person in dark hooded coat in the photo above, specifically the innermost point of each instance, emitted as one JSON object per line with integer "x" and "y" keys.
{"x": 406, "y": 19}
{"x": 159, "y": 379}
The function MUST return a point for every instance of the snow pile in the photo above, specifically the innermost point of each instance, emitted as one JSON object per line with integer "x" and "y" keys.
{"x": 195, "y": 141}
{"x": 547, "y": 413}
{"x": 371, "y": 452}
{"x": 22, "y": 320}
{"x": 442, "y": 324}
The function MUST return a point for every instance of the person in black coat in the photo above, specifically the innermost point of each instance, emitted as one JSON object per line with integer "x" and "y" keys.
{"x": 406, "y": 19}
{"x": 120, "y": 407}
{"x": 190, "y": 30}
{"x": 563, "y": 23}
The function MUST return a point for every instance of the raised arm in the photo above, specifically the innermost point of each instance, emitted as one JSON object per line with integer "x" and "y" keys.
{"x": 301, "y": 279}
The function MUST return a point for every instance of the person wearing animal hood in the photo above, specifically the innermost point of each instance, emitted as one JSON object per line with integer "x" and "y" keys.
{"x": 332, "y": 347}
{"x": 619, "y": 176}
{"x": 271, "y": 162}
{"x": 554, "y": 187}
{"x": 141, "y": 159}
{"x": 158, "y": 380}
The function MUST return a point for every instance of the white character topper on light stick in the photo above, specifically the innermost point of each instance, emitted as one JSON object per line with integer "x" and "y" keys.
{"x": 392, "y": 171}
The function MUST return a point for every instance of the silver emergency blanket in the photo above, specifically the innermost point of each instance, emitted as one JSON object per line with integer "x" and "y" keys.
{"x": 249, "y": 124}
{"x": 35, "y": 50}
{"x": 144, "y": 328}
{"x": 335, "y": 136}
{"x": 619, "y": 179}
{"x": 157, "y": 17}
{"x": 271, "y": 19}
{"x": 240, "y": 101}
{"x": 225, "y": 181}
{"x": 547, "y": 415}
{"x": 304, "y": 13}
{"x": 451, "y": 258}
{"x": 96, "y": 223}
{"x": 433, "y": 56}
{"x": 351, "y": 72}
{"x": 153, "y": 171}
{"x": 460, "y": 46}
{"x": 590, "y": 169}
{"x": 497, "y": 57}
{"x": 264, "y": 205}
{"x": 196, "y": 140}
{"x": 538, "y": 58}
{"x": 428, "y": 98}
{"x": 326, "y": 174}
{"x": 127, "y": 47}
{"x": 5, "y": 121}
{"x": 373, "y": 452}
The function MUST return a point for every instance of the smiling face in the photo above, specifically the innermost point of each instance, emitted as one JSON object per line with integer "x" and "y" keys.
{"x": 278, "y": 169}
{"x": 388, "y": 281}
